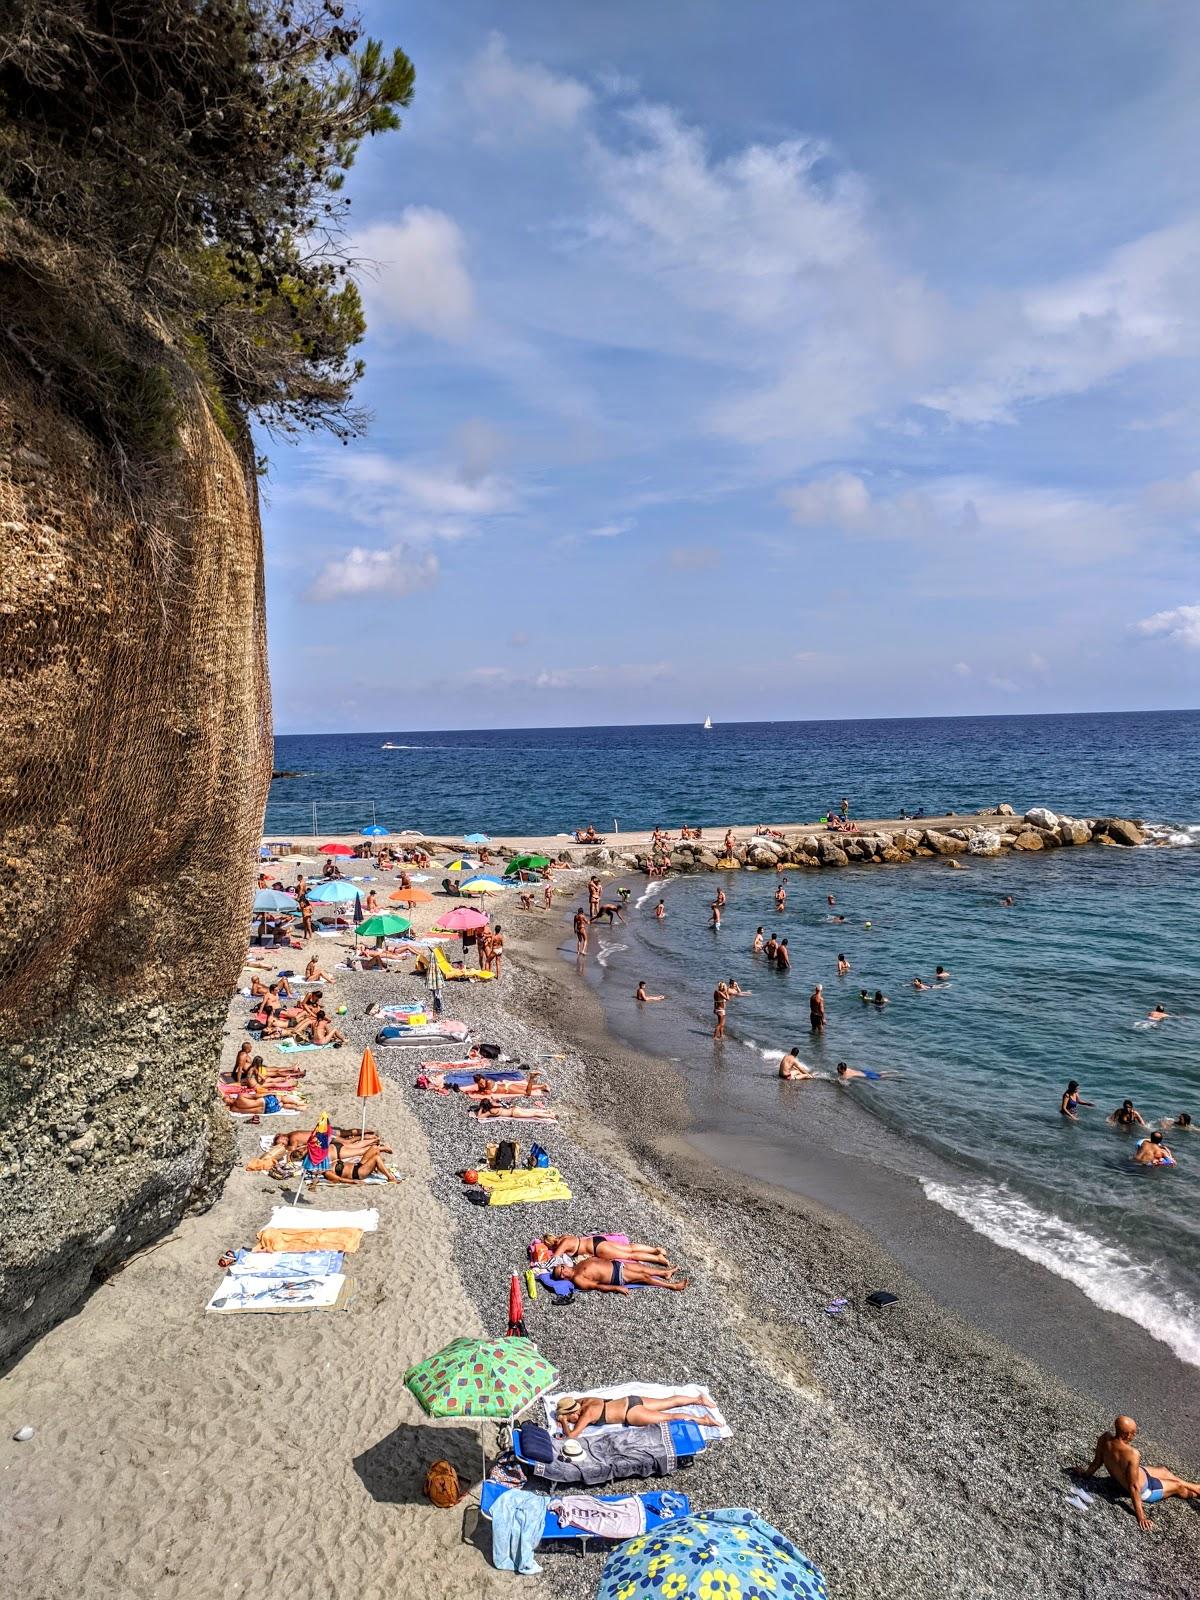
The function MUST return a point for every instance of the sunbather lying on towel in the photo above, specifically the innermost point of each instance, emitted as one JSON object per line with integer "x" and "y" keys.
{"x": 256, "y": 1105}
{"x": 582, "y": 1245}
{"x": 252, "y": 1072}
{"x": 512, "y": 1112}
{"x": 616, "y": 1277}
{"x": 489, "y": 1088}
{"x": 345, "y": 1169}
{"x": 631, "y": 1411}
{"x": 347, "y": 1143}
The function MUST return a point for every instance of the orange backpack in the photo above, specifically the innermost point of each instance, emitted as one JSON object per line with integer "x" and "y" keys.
{"x": 441, "y": 1485}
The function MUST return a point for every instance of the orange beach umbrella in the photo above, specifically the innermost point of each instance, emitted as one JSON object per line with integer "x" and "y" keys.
{"x": 409, "y": 897}
{"x": 369, "y": 1083}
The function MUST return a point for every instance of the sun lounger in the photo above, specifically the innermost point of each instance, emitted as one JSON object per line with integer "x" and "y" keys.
{"x": 620, "y": 1391}
{"x": 643, "y": 1452}
{"x": 658, "y": 1506}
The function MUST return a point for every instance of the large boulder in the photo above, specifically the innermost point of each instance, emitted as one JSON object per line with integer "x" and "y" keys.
{"x": 706, "y": 859}
{"x": 831, "y": 855}
{"x": 1121, "y": 831}
{"x": 984, "y": 842}
{"x": 1030, "y": 839}
{"x": 1040, "y": 817}
{"x": 943, "y": 844}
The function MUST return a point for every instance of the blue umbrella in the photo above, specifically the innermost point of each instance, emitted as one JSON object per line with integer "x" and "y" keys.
{"x": 338, "y": 891}
{"x": 375, "y": 832}
{"x": 475, "y": 838}
{"x": 275, "y": 900}
{"x": 714, "y": 1555}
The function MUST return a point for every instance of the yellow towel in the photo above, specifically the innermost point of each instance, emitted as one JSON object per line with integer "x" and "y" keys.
{"x": 449, "y": 971}
{"x": 517, "y": 1187}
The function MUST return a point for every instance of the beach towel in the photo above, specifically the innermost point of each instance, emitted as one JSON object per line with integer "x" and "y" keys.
{"x": 366, "y": 1220}
{"x": 238, "y": 1294}
{"x": 286, "y": 1263}
{"x": 607, "y": 1519}
{"x": 530, "y": 1115}
{"x": 249, "y": 1116}
{"x": 621, "y": 1391}
{"x": 291, "y": 1048}
{"x": 518, "y": 1522}
{"x": 524, "y": 1187}
{"x": 279, "y": 1240}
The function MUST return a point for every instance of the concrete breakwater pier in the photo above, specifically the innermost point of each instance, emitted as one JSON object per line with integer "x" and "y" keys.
{"x": 797, "y": 846}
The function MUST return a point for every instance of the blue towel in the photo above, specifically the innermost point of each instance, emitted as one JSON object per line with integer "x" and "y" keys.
{"x": 518, "y": 1522}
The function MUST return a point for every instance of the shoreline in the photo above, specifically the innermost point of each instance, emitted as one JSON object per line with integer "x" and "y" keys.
{"x": 893, "y": 1449}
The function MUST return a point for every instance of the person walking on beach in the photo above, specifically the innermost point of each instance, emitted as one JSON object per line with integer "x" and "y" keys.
{"x": 496, "y": 950}
{"x": 1070, "y": 1102}
{"x": 1122, "y": 1460}
{"x": 816, "y": 1010}
{"x": 581, "y": 932}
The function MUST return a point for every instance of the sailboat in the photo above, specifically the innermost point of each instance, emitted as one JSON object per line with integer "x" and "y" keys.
{"x": 708, "y": 724}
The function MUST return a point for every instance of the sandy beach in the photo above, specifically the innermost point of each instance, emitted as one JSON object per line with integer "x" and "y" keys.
{"x": 179, "y": 1454}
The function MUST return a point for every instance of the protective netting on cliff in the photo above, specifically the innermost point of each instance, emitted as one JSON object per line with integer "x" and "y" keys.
{"x": 134, "y": 715}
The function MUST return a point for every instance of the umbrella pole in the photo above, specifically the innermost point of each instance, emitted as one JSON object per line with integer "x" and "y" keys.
{"x": 299, "y": 1186}
{"x": 363, "y": 1129}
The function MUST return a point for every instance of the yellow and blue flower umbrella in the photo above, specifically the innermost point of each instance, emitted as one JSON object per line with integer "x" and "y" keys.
{"x": 482, "y": 886}
{"x": 731, "y": 1554}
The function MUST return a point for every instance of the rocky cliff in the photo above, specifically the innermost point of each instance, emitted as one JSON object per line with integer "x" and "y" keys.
{"x": 134, "y": 761}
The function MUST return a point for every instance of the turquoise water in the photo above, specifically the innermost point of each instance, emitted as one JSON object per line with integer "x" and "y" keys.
{"x": 1056, "y": 987}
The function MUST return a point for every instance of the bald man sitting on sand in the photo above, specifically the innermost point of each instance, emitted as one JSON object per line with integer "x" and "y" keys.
{"x": 1145, "y": 1486}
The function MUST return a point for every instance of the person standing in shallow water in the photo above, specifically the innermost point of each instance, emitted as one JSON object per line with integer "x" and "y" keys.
{"x": 581, "y": 932}
{"x": 816, "y": 1010}
{"x": 1071, "y": 1102}
{"x": 759, "y": 940}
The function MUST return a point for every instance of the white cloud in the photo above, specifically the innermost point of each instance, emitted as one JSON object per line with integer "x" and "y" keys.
{"x": 609, "y": 530}
{"x": 1068, "y": 528}
{"x": 1182, "y": 625}
{"x": 557, "y": 680}
{"x": 1175, "y": 497}
{"x": 520, "y": 100}
{"x": 399, "y": 570}
{"x": 413, "y": 274}
{"x": 1005, "y": 685}
{"x": 961, "y": 669}
{"x": 420, "y": 499}
{"x": 519, "y": 639}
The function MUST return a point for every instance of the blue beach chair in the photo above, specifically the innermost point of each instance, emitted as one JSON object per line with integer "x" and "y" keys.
{"x": 661, "y": 1505}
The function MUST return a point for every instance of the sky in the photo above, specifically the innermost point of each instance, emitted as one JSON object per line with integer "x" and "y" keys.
{"x": 794, "y": 359}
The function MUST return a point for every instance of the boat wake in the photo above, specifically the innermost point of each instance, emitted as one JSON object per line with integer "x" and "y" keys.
{"x": 1107, "y": 1274}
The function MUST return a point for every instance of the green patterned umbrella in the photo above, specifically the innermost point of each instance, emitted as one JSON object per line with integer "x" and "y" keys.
{"x": 485, "y": 1378}
{"x": 714, "y": 1555}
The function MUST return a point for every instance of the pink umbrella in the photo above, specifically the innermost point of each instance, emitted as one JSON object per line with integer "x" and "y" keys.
{"x": 463, "y": 919}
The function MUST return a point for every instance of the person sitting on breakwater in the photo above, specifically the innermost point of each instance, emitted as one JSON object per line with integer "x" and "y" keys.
{"x": 647, "y": 999}
{"x": 791, "y": 1066}
{"x": 616, "y": 1277}
{"x": 1152, "y": 1152}
{"x": 1145, "y": 1486}
{"x": 844, "y": 1072}
{"x": 1071, "y": 1102}
{"x": 581, "y": 1246}
{"x": 1127, "y": 1116}
{"x": 631, "y": 1411}
{"x": 1159, "y": 1014}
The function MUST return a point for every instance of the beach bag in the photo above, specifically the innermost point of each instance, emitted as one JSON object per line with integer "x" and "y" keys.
{"x": 491, "y": 1052}
{"x": 441, "y": 1485}
{"x": 506, "y": 1156}
{"x": 537, "y": 1156}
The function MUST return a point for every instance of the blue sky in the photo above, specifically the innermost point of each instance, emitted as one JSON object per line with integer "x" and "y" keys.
{"x": 792, "y": 359}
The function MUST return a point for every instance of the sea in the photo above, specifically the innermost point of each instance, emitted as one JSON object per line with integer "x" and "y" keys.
{"x": 1054, "y": 987}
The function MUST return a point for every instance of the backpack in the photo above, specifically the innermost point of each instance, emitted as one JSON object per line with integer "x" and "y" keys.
{"x": 506, "y": 1156}
{"x": 537, "y": 1156}
{"x": 490, "y": 1052}
{"x": 441, "y": 1485}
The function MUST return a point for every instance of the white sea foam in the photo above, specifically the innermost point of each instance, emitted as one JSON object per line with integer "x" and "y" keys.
{"x": 1159, "y": 833}
{"x": 652, "y": 888}
{"x": 1107, "y": 1274}
{"x": 607, "y": 950}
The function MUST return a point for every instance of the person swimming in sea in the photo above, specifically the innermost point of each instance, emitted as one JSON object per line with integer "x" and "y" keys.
{"x": 843, "y": 964}
{"x": 1159, "y": 1014}
{"x": 919, "y": 983}
{"x": 1182, "y": 1123}
{"x": 838, "y": 918}
{"x": 1008, "y": 901}
{"x": 1127, "y": 1116}
{"x": 845, "y": 1073}
{"x": 880, "y": 999}
{"x": 1070, "y": 1102}
{"x": 1153, "y": 1152}
{"x": 941, "y": 976}
{"x": 647, "y": 999}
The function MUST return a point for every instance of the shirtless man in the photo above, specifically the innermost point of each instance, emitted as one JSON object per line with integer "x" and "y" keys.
{"x": 1152, "y": 1152}
{"x": 548, "y": 895}
{"x": 844, "y": 1072}
{"x": 771, "y": 948}
{"x": 314, "y": 973}
{"x": 816, "y": 1009}
{"x": 1122, "y": 1460}
{"x": 1159, "y": 1014}
{"x": 919, "y": 983}
{"x": 496, "y": 950}
{"x": 575, "y": 1413}
{"x": 616, "y": 1277}
{"x": 324, "y": 1032}
{"x": 715, "y": 919}
{"x": 780, "y": 897}
{"x": 580, "y": 925}
{"x": 791, "y": 1066}
{"x": 647, "y": 999}
{"x": 941, "y": 975}
{"x": 719, "y": 902}
{"x": 843, "y": 964}
{"x": 610, "y": 909}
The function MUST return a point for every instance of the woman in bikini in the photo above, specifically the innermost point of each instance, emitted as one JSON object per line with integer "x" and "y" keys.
{"x": 604, "y": 1248}
{"x": 576, "y": 1412}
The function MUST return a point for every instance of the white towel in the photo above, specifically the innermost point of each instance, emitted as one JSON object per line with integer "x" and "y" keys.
{"x": 292, "y": 1217}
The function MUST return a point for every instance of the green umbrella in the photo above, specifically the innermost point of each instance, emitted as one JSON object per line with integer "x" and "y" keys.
{"x": 526, "y": 864}
{"x": 378, "y": 927}
{"x": 492, "y": 1379}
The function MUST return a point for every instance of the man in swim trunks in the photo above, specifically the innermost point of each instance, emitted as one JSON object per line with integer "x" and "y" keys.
{"x": 1122, "y": 1460}
{"x": 771, "y": 948}
{"x": 791, "y": 1066}
{"x": 616, "y": 1277}
{"x": 1159, "y": 1014}
{"x": 647, "y": 999}
{"x": 816, "y": 1010}
{"x": 844, "y": 1072}
{"x": 1152, "y": 1152}
{"x": 783, "y": 961}
{"x": 580, "y": 925}
{"x": 576, "y": 1412}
